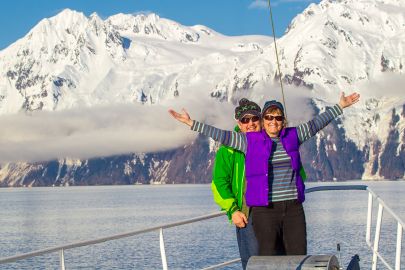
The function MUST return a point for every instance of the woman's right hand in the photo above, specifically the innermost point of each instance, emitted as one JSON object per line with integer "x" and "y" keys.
{"x": 183, "y": 117}
{"x": 239, "y": 219}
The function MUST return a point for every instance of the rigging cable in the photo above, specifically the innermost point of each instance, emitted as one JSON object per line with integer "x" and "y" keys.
{"x": 278, "y": 62}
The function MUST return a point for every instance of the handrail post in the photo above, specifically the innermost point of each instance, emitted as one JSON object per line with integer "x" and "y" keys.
{"x": 398, "y": 253}
{"x": 369, "y": 216}
{"x": 62, "y": 259}
{"x": 162, "y": 249}
{"x": 377, "y": 236}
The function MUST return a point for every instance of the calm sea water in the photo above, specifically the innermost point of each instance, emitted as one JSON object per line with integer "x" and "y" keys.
{"x": 37, "y": 218}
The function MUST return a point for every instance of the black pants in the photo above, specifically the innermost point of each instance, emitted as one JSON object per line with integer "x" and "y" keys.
{"x": 280, "y": 228}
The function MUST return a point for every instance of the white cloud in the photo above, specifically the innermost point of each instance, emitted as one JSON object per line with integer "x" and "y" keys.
{"x": 104, "y": 130}
{"x": 126, "y": 128}
{"x": 258, "y": 4}
{"x": 263, "y": 4}
{"x": 143, "y": 12}
{"x": 86, "y": 133}
{"x": 384, "y": 85}
{"x": 383, "y": 93}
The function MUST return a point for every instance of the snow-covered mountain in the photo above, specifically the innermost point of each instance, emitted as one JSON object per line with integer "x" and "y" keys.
{"x": 355, "y": 44}
{"x": 71, "y": 60}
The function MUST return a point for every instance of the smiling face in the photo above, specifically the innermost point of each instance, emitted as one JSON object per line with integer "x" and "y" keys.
{"x": 249, "y": 123}
{"x": 273, "y": 121}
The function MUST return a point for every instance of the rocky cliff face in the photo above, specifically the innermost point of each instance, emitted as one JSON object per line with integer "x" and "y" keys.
{"x": 190, "y": 164}
{"x": 331, "y": 156}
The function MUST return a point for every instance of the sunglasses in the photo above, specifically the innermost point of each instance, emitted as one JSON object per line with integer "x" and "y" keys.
{"x": 246, "y": 120}
{"x": 269, "y": 117}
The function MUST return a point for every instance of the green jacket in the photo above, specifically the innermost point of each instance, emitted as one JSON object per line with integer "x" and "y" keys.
{"x": 228, "y": 183}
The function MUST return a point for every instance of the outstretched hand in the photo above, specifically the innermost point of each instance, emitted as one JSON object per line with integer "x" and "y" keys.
{"x": 183, "y": 117}
{"x": 346, "y": 101}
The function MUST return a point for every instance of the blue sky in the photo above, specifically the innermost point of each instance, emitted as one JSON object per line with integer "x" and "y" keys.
{"x": 229, "y": 17}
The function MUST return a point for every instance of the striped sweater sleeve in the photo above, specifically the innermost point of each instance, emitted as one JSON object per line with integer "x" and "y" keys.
{"x": 235, "y": 140}
{"x": 309, "y": 129}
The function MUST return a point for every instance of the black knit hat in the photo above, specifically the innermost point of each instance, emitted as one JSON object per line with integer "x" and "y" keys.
{"x": 246, "y": 107}
{"x": 272, "y": 103}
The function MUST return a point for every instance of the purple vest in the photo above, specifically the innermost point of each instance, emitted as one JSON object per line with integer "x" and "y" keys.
{"x": 259, "y": 146}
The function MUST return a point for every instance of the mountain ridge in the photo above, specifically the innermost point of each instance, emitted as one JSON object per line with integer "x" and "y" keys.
{"x": 155, "y": 61}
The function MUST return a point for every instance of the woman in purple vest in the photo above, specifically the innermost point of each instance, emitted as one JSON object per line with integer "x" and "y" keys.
{"x": 274, "y": 173}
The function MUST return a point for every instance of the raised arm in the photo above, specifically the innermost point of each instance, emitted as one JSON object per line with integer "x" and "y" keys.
{"x": 232, "y": 139}
{"x": 309, "y": 129}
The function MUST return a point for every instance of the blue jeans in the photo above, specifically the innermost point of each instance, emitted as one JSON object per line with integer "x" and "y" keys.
{"x": 247, "y": 242}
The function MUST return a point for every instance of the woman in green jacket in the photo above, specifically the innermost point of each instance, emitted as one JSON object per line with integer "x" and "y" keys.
{"x": 228, "y": 183}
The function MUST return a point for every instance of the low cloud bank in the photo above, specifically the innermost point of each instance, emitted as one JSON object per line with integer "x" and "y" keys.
{"x": 104, "y": 130}
{"x": 89, "y": 132}
{"x": 125, "y": 128}
{"x": 388, "y": 85}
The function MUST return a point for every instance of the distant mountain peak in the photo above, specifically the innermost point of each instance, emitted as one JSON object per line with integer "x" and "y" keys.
{"x": 151, "y": 25}
{"x": 68, "y": 17}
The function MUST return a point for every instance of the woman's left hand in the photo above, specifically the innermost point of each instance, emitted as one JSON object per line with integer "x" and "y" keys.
{"x": 346, "y": 101}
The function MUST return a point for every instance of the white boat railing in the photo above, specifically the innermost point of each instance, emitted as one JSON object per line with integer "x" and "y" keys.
{"x": 374, "y": 246}
{"x": 61, "y": 249}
